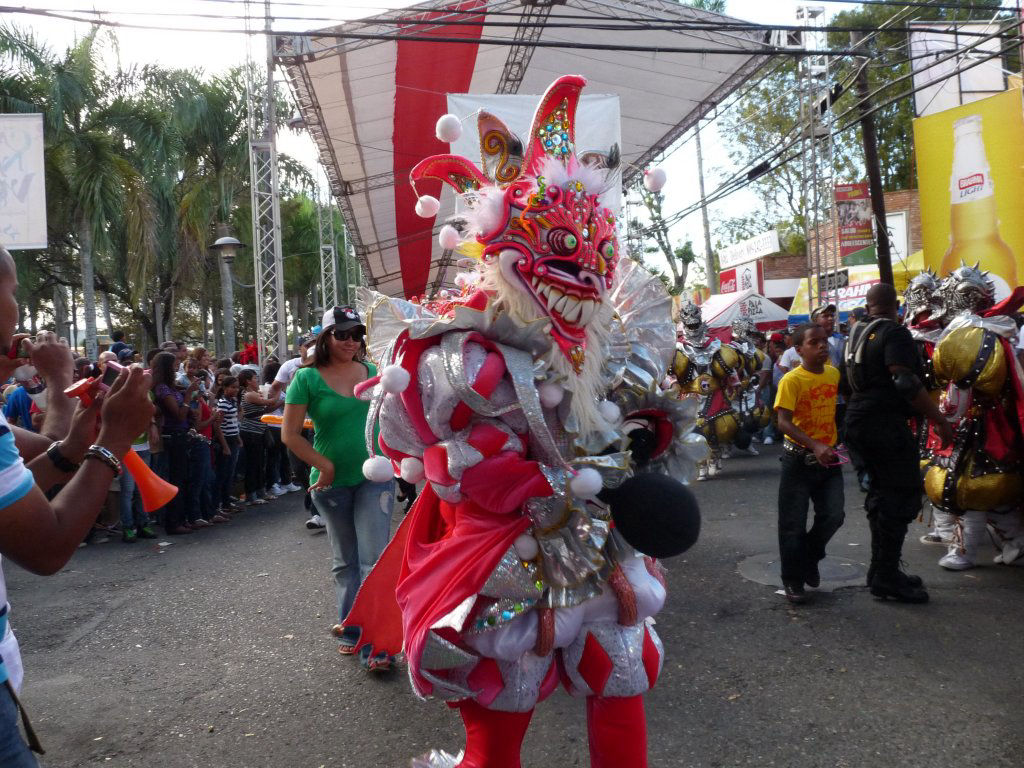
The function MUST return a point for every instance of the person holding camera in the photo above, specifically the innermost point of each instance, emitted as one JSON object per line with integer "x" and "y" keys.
{"x": 39, "y": 534}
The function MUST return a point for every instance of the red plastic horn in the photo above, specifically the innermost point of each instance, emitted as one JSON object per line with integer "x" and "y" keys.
{"x": 155, "y": 491}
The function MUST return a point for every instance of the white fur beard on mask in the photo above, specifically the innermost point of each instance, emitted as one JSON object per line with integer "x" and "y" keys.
{"x": 586, "y": 386}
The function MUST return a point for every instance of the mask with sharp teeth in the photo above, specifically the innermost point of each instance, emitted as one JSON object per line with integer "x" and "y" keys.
{"x": 537, "y": 214}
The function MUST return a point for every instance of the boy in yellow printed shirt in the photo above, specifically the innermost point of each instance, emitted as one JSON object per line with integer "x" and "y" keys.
{"x": 806, "y": 408}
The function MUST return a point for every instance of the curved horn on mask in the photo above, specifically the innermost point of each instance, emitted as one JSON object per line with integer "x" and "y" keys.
{"x": 553, "y": 131}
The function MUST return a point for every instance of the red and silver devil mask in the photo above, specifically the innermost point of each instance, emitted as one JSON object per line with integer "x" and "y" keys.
{"x": 537, "y": 212}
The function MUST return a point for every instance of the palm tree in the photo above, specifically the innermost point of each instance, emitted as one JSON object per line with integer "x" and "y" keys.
{"x": 95, "y": 134}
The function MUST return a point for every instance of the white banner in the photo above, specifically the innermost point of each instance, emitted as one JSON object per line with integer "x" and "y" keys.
{"x": 752, "y": 249}
{"x": 22, "y": 182}
{"x": 598, "y": 126}
{"x": 947, "y": 88}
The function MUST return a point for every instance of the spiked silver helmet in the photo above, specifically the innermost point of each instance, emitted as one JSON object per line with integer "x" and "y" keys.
{"x": 742, "y": 328}
{"x": 967, "y": 289}
{"x": 694, "y": 328}
{"x": 921, "y": 299}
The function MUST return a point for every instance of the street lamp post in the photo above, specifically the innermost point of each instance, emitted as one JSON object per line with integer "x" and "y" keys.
{"x": 227, "y": 246}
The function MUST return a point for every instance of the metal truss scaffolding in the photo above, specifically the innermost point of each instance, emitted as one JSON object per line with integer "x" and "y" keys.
{"x": 328, "y": 255}
{"x": 268, "y": 269}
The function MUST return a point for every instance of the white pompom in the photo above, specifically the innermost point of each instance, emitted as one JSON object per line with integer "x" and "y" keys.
{"x": 378, "y": 469}
{"x": 655, "y": 179}
{"x": 551, "y": 394}
{"x": 448, "y": 128}
{"x": 610, "y": 412}
{"x": 586, "y": 484}
{"x": 411, "y": 470}
{"x": 526, "y": 547}
{"x": 444, "y": 294}
{"x": 449, "y": 237}
{"x": 427, "y": 206}
{"x": 394, "y": 379}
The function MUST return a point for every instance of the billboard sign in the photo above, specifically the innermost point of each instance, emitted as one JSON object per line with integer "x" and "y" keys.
{"x": 751, "y": 249}
{"x": 856, "y": 236}
{"x": 22, "y": 182}
{"x": 749, "y": 275}
{"x": 970, "y": 164}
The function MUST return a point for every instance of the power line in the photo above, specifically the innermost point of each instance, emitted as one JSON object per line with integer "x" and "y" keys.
{"x": 738, "y": 182}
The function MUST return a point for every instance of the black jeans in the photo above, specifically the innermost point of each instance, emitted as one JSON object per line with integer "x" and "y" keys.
{"x": 799, "y": 485}
{"x": 255, "y": 461}
{"x": 176, "y": 451}
{"x": 893, "y": 461}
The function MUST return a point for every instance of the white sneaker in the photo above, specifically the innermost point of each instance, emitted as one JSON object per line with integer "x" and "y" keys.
{"x": 276, "y": 490}
{"x": 769, "y": 441}
{"x": 954, "y": 561}
{"x": 315, "y": 522}
{"x": 752, "y": 450}
{"x": 291, "y": 488}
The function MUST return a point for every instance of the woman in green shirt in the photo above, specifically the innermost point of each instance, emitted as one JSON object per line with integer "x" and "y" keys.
{"x": 357, "y": 511}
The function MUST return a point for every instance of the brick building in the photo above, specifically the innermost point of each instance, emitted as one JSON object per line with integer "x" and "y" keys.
{"x": 782, "y": 272}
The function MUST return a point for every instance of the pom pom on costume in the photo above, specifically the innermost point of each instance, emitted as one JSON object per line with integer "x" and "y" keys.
{"x": 378, "y": 469}
{"x": 449, "y": 237}
{"x": 448, "y": 128}
{"x": 655, "y": 179}
{"x": 610, "y": 411}
{"x": 526, "y": 547}
{"x": 551, "y": 394}
{"x": 586, "y": 484}
{"x": 427, "y": 206}
{"x": 411, "y": 470}
{"x": 394, "y": 379}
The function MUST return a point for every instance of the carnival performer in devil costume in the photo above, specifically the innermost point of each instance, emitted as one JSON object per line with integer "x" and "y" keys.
{"x": 753, "y": 414}
{"x": 924, "y": 316}
{"x": 531, "y": 406}
{"x": 980, "y": 479}
{"x": 708, "y": 372}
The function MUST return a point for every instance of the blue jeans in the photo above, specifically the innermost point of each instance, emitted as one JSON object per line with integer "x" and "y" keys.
{"x": 358, "y": 519}
{"x": 200, "y": 481}
{"x": 14, "y": 752}
{"x": 132, "y": 513}
{"x": 799, "y": 485}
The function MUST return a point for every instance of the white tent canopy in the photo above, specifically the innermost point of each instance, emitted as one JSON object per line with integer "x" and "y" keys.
{"x": 371, "y": 105}
{"x": 721, "y": 309}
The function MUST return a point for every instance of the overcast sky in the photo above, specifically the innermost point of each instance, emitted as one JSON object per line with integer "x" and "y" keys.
{"x": 217, "y": 50}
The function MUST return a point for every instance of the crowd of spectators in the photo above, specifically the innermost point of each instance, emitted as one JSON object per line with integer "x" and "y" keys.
{"x": 208, "y": 437}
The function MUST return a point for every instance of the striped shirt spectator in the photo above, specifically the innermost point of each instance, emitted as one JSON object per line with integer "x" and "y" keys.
{"x": 229, "y": 425}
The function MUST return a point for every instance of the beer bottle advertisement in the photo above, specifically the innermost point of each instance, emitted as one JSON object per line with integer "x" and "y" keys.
{"x": 971, "y": 178}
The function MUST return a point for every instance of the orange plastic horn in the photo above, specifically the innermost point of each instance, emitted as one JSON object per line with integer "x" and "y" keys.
{"x": 154, "y": 490}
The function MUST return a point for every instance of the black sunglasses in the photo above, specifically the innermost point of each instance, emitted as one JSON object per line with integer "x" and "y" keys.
{"x": 354, "y": 334}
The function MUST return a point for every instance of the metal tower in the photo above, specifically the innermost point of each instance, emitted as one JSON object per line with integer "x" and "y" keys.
{"x": 328, "y": 252}
{"x": 817, "y": 174}
{"x": 271, "y": 321}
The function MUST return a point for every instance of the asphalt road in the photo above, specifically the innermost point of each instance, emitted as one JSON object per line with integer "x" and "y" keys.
{"x": 214, "y": 652}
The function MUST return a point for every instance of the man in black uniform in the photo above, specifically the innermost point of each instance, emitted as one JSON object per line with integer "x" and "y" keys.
{"x": 884, "y": 372}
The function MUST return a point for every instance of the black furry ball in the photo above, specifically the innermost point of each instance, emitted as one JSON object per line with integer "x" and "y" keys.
{"x": 743, "y": 438}
{"x": 656, "y": 514}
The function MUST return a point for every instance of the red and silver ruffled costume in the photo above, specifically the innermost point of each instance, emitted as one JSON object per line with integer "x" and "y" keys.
{"x": 508, "y": 576}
